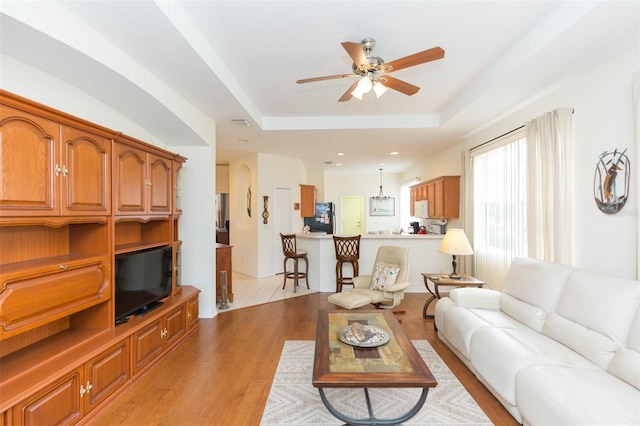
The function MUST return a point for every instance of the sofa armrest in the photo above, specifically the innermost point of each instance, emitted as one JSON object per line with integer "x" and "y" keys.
{"x": 482, "y": 298}
{"x": 396, "y": 287}
{"x": 362, "y": 281}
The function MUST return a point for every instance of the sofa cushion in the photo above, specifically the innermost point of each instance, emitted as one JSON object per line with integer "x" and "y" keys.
{"x": 626, "y": 361}
{"x": 536, "y": 282}
{"x": 500, "y": 354}
{"x": 594, "y": 315}
{"x": 553, "y": 395}
{"x": 530, "y": 315}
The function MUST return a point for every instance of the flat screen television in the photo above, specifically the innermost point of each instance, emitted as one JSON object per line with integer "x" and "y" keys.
{"x": 142, "y": 279}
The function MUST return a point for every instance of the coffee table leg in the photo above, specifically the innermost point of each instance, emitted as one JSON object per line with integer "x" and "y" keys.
{"x": 372, "y": 420}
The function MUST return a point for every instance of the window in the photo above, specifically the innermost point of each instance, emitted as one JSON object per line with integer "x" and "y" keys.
{"x": 499, "y": 205}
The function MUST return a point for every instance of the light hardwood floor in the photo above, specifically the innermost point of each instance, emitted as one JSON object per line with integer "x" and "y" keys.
{"x": 222, "y": 374}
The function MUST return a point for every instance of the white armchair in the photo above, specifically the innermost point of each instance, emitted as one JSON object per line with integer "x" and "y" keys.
{"x": 384, "y": 287}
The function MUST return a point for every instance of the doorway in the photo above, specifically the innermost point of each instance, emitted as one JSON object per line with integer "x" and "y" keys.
{"x": 353, "y": 215}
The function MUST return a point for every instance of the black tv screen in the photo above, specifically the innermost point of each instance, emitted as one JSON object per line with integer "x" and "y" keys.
{"x": 142, "y": 278}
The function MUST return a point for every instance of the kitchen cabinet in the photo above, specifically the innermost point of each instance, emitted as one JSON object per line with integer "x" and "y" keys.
{"x": 442, "y": 195}
{"x": 308, "y": 198}
{"x": 142, "y": 181}
{"x": 68, "y": 168}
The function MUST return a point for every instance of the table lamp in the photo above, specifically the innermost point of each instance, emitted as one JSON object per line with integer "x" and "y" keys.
{"x": 455, "y": 243}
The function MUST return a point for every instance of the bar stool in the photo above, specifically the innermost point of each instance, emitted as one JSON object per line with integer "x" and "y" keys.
{"x": 347, "y": 251}
{"x": 290, "y": 251}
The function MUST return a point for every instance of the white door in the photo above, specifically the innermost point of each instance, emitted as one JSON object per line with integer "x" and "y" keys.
{"x": 282, "y": 206}
{"x": 353, "y": 215}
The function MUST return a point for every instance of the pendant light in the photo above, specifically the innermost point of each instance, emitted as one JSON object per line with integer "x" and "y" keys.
{"x": 381, "y": 195}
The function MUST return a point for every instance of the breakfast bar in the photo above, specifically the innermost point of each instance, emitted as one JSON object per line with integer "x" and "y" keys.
{"x": 423, "y": 254}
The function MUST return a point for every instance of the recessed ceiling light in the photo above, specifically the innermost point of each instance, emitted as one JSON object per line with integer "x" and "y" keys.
{"x": 328, "y": 162}
{"x": 381, "y": 164}
{"x": 338, "y": 164}
{"x": 340, "y": 153}
{"x": 394, "y": 153}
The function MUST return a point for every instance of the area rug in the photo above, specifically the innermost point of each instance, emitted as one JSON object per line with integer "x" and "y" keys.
{"x": 294, "y": 401}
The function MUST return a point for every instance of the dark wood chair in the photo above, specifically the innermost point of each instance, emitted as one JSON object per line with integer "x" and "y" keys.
{"x": 347, "y": 252}
{"x": 291, "y": 252}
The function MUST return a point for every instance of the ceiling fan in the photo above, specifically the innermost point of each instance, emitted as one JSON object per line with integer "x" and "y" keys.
{"x": 373, "y": 72}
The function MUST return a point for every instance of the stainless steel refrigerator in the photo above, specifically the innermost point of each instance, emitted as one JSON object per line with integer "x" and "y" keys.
{"x": 323, "y": 219}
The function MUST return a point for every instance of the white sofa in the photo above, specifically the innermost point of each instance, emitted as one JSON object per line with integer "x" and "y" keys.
{"x": 557, "y": 346}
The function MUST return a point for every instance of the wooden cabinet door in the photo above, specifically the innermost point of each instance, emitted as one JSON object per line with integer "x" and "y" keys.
{"x": 129, "y": 180}
{"x": 192, "y": 313}
{"x": 85, "y": 180}
{"x": 146, "y": 345}
{"x": 106, "y": 373}
{"x": 29, "y": 164}
{"x": 307, "y": 200}
{"x": 177, "y": 187}
{"x": 175, "y": 325}
{"x": 432, "y": 199}
{"x": 159, "y": 182}
{"x": 57, "y": 404}
{"x": 438, "y": 204}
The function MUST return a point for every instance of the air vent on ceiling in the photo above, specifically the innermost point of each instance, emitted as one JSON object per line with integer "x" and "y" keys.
{"x": 241, "y": 122}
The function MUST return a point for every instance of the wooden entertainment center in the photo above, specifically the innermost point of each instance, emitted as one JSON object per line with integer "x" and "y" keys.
{"x": 73, "y": 196}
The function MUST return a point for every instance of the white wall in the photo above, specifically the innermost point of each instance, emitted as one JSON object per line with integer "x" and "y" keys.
{"x": 197, "y": 225}
{"x": 222, "y": 179}
{"x": 602, "y": 122}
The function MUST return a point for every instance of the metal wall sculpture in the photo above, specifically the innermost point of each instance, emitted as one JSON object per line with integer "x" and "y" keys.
{"x": 611, "y": 181}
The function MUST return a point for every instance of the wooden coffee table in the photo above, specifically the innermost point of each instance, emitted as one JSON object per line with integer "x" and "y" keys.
{"x": 339, "y": 365}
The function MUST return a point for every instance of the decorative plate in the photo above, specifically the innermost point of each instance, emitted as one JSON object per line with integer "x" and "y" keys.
{"x": 362, "y": 335}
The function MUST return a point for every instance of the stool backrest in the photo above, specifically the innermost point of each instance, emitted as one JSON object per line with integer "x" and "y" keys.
{"x": 347, "y": 248}
{"x": 288, "y": 244}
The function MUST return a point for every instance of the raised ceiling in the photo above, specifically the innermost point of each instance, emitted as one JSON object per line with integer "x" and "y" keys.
{"x": 171, "y": 65}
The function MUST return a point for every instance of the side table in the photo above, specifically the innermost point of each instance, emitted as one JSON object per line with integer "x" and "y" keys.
{"x": 438, "y": 280}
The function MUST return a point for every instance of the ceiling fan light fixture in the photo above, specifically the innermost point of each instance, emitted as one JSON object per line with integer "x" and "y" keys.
{"x": 364, "y": 86}
{"x": 379, "y": 88}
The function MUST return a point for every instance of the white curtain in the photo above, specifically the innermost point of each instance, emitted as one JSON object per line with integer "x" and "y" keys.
{"x": 549, "y": 141}
{"x": 466, "y": 209}
{"x": 636, "y": 119}
{"x": 499, "y": 206}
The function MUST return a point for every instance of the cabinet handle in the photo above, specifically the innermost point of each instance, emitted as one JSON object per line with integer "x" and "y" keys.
{"x": 89, "y": 386}
{"x": 57, "y": 170}
{"x": 63, "y": 266}
{"x": 189, "y": 315}
{"x": 82, "y": 391}
{"x": 65, "y": 171}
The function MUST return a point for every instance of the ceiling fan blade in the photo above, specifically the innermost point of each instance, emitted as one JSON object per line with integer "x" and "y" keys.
{"x": 347, "y": 95}
{"x": 326, "y": 77}
{"x": 357, "y": 54}
{"x": 399, "y": 85}
{"x": 428, "y": 55}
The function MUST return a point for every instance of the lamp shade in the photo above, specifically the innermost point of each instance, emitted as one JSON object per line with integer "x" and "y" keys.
{"x": 455, "y": 242}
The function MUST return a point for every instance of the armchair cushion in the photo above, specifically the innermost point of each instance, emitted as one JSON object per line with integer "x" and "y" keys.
{"x": 384, "y": 275}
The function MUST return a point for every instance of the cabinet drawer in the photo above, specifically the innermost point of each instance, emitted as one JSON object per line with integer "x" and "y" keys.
{"x": 47, "y": 295}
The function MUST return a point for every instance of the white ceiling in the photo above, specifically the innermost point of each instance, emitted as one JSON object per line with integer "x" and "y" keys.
{"x": 167, "y": 64}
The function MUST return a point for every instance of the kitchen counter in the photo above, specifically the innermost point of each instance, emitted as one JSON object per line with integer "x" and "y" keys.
{"x": 321, "y": 235}
{"x": 423, "y": 255}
